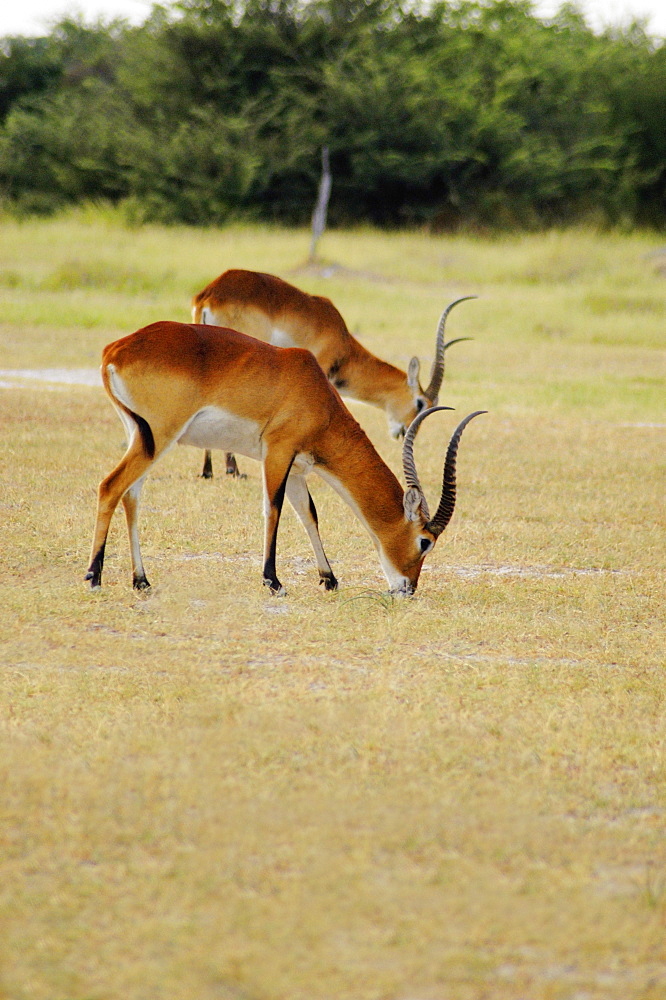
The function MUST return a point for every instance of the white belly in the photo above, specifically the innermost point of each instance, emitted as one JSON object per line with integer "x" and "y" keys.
{"x": 214, "y": 427}
{"x": 280, "y": 338}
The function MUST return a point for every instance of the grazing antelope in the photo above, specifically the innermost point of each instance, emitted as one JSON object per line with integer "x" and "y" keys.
{"x": 212, "y": 388}
{"x": 272, "y": 310}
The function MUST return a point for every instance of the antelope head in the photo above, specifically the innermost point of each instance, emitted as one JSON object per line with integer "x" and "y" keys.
{"x": 417, "y": 399}
{"x": 425, "y": 530}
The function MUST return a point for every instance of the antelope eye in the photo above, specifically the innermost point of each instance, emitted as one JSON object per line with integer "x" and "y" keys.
{"x": 419, "y": 405}
{"x": 425, "y": 545}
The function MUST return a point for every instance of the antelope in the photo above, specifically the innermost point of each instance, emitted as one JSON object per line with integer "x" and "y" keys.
{"x": 216, "y": 388}
{"x": 270, "y": 309}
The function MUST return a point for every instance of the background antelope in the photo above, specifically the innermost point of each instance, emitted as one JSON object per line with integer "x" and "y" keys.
{"x": 199, "y": 385}
{"x": 270, "y": 309}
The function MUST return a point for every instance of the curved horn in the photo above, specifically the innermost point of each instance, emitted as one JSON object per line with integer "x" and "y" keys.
{"x": 448, "y": 499}
{"x": 408, "y": 464}
{"x": 437, "y": 373}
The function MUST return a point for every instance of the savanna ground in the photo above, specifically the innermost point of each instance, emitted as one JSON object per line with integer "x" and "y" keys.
{"x": 211, "y": 793}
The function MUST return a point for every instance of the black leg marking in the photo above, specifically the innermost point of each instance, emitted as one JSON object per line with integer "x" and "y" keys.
{"x": 329, "y": 581}
{"x": 274, "y": 586}
{"x": 313, "y": 509}
{"x": 207, "y": 472}
{"x": 270, "y": 574}
{"x": 146, "y": 433}
{"x": 94, "y": 574}
{"x": 232, "y": 467}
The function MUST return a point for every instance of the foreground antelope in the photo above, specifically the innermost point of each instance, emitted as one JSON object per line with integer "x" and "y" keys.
{"x": 272, "y": 310}
{"x": 212, "y": 388}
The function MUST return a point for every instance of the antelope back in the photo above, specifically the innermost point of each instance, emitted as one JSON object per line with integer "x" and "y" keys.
{"x": 266, "y": 307}
{"x": 169, "y": 371}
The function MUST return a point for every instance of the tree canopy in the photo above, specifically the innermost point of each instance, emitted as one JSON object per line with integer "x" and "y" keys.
{"x": 454, "y": 113}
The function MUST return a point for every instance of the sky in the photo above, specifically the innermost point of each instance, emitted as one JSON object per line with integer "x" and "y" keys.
{"x": 34, "y": 17}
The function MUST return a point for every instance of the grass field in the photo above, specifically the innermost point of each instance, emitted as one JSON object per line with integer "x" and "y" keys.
{"x": 212, "y": 794}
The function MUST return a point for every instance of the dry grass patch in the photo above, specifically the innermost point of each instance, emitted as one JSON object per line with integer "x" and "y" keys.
{"x": 211, "y": 793}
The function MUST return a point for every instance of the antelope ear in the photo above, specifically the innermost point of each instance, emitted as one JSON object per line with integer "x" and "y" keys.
{"x": 413, "y": 375}
{"x": 412, "y": 502}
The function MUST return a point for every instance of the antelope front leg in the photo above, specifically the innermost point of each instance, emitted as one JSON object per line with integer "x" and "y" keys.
{"x": 275, "y": 472}
{"x": 232, "y": 466}
{"x": 207, "y": 471}
{"x": 299, "y": 497}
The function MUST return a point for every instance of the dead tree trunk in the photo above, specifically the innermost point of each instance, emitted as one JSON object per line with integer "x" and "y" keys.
{"x": 319, "y": 214}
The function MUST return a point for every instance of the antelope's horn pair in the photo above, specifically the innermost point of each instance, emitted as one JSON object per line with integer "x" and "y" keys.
{"x": 437, "y": 373}
{"x": 447, "y": 501}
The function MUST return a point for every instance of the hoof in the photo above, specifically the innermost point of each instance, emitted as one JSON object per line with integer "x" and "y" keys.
{"x": 140, "y": 583}
{"x": 275, "y": 587}
{"x": 93, "y": 580}
{"x": 206, "y": 475}
{"x": 329, "y": 581}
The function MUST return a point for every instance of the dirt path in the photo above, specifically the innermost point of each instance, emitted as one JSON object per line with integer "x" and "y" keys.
{"x": 17, "y": 378}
